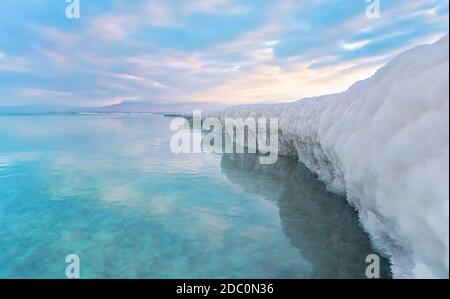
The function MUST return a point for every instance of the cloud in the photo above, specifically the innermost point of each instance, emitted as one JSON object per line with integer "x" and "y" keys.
{"x": 233, "y": 51}
{"x": 111, "y": 27}
{"x": 158, "y": 13}
{"x": 14, "y": 64}
{"x": 272, "y": 83}
{"x": 45, "y": 93}
{"x": 57, "y": 36}
{"x": 355, "y": 45}
{"x": 144, "y": 82}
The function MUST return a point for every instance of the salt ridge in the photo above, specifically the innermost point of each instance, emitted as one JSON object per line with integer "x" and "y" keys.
{"x": 384, "y": 143}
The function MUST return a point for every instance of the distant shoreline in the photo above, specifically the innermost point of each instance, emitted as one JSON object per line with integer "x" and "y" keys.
{"x": 166, "y": 114}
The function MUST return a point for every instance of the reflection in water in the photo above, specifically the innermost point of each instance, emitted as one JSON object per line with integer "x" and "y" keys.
{"x": 108, "y": 188}
{"x": 321, "y": 225}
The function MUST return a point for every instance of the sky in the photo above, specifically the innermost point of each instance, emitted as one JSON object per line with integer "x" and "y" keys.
{"x": 227, "y": 51}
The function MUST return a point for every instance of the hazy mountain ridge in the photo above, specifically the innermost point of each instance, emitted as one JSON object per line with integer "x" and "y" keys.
{"x": 125, "y": 106}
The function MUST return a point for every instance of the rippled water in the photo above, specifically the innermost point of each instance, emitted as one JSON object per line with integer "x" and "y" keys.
{"x": 107, "y": 188}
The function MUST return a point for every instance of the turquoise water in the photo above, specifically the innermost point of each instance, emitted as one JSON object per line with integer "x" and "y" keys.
{"x": 108, "y": 188}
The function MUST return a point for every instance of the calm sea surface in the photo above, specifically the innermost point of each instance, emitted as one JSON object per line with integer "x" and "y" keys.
{"x": 108, "y": 188}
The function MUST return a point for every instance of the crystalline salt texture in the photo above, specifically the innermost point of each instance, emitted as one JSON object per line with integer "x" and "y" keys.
{"x": 385, "y": 144}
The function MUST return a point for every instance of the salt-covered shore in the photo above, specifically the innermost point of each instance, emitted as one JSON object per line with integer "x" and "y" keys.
{"x": 384, "y": 143}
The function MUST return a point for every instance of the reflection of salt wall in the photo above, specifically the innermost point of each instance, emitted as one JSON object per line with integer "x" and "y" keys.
{"x": 323, "y": 228}
{"x": 385, "y": 144}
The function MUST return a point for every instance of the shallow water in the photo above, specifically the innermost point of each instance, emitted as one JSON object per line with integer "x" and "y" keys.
{"x": 108, "y": 188}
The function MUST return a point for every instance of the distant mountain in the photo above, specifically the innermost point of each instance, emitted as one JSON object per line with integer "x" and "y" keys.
{"x": 136, "y": 106}
{"x": 125, "y": 106}
{"x": 133, "y": 106}
{"x": 33, "y": 109}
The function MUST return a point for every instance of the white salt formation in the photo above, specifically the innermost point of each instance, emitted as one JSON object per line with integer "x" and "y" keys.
{"x": 384, "y": 143}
